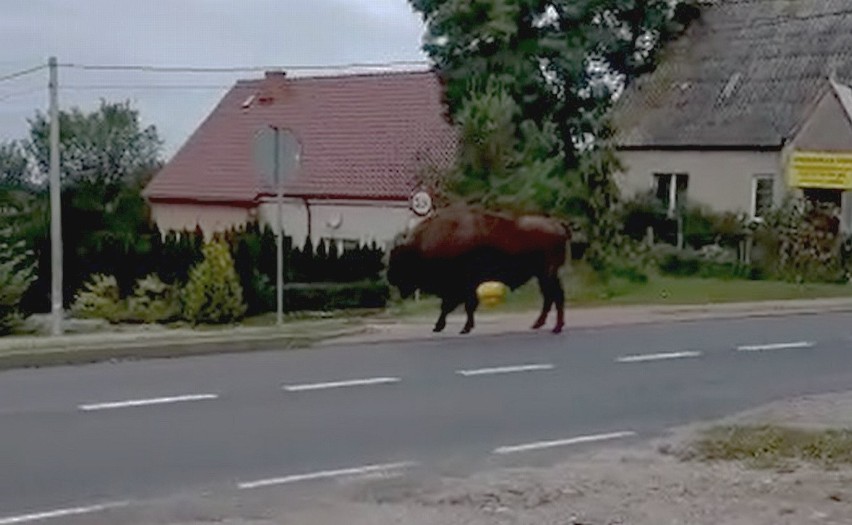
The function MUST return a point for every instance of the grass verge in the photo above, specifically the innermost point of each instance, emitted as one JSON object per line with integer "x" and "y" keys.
{"x": 770, "y": 446}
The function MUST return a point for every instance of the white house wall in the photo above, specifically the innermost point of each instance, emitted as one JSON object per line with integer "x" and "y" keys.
{"x": 187, "y": 217}
{"x": 721, "y": 180}
{"x": 363, "y": 222}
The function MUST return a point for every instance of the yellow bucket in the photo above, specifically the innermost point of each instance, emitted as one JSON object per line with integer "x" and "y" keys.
{"x": 491, "y": 293}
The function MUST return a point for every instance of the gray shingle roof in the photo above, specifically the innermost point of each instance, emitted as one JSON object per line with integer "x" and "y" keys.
{"x": 745, "y": 75}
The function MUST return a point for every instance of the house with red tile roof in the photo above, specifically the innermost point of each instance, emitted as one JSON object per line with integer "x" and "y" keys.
{"x": 366, "y": 141}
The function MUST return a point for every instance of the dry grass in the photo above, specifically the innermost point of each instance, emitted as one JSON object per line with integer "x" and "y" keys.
{"x": 771, "y": 446}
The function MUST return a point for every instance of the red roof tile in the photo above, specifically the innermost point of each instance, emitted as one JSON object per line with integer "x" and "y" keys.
{"x": 363, "y": 136}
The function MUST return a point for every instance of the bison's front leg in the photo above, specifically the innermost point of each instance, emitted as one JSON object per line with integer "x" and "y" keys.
{"x": 448, "y": 304}
{"x": 470, "y": 306}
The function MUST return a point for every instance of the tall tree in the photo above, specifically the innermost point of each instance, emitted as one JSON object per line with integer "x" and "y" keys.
{"x": 14, "y": 166}
{"x": 107, "y": 147}
{"x": 531, "y": 81}
{"x": 107, "y": 156}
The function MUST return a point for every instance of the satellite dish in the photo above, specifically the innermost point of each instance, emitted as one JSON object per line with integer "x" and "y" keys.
{"x": 421, "y": 203}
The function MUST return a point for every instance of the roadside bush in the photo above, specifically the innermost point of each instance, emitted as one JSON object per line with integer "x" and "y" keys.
{"x": 800, "y": 242}
{"x": 642, "y": 212}
{"x": 711, "y": 261}
{"x": 153, "y": 301}
{"x": 622, "y": 258}
{"x": 100, "y": 298}
{"x": 701, "y": 226}
{"x": 214, "y": 294}
{"x": 335, "y": 296}
{"x": 16, "y": 276}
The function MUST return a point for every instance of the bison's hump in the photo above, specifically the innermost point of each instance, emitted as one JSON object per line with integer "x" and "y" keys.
{"x": 452, "y": 232}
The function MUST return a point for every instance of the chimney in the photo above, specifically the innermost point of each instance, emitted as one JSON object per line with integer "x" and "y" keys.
{"x": 279, "y": 74}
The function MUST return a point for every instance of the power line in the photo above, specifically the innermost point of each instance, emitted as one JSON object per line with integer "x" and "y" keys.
{"x": 237, "y": 69}
{"x": 95, "y": 87}
{"x": 22, "y": 73}
{"x": 6, "y": 96}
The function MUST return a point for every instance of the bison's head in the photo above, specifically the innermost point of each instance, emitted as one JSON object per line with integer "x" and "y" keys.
{"x": 402, "y": 269}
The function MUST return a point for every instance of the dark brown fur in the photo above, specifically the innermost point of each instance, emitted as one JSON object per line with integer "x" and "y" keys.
{"x": 457, "y": 248}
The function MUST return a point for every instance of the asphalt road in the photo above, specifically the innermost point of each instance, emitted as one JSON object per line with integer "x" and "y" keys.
{"x": 77, "y": 437}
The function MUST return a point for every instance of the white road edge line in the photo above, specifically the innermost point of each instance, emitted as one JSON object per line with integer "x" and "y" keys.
{"x": 504, "y": 370}
{"x": 61, "y": 513}
{"x": 342, "y": 384}
{"x": 563, "y": 442}
{"x": 776, "y": 346}
{"x": 657, "y": 357}
{"x": 146, "y": 402}
{"x": 326, "y": 474}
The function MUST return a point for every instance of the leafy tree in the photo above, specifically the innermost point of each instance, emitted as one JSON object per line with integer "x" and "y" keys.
{"x": 107, "y": 157}
{"x": 16, "y": 275}
{"x": 14, "y": 167}
{"x": 106, "y": 147}
{"x": 553, "y": 56}
{"x": 530, "y": 83}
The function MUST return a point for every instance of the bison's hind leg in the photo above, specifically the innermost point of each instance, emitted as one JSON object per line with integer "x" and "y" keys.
{"x": 559, "y": 299}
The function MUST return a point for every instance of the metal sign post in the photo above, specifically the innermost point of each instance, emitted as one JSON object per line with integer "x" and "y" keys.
{"x": 277, "y": 153}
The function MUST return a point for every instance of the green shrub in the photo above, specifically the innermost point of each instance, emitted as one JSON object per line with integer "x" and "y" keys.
{"x": 99, "y": 299}
{"x": 335, "y": 296}
{"x": 153, "y": 301}
{"x": 679, "y": 263}
{"x": 642, "y": 212}
{"x": 800, "y": 242}
{"x": 711, "y": 261}
{"x": 16, "y": 276}
{"x": 213, "y": 294}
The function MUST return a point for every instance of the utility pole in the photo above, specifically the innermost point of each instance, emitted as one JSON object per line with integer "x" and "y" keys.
{"x": 57, "y": 310}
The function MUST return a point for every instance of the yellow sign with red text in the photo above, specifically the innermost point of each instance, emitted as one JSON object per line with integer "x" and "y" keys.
{"x": 811, "y": 169}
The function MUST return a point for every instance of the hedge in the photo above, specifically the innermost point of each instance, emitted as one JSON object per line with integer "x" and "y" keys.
{"x": 335, "y": 296}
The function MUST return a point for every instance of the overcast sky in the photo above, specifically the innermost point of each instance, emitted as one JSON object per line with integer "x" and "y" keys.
{"x": 203, "y": 33}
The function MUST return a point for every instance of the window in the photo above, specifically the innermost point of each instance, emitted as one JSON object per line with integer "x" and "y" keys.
{"x": 762, "y": 195}
{"x": 671, "y": 189}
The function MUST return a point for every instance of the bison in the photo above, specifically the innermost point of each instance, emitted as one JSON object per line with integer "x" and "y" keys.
{"x": 457, "y": 248}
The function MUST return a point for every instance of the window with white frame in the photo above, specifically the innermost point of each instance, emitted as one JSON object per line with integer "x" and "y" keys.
{"x": 670, "y": 189}
{"x": 762, "y": 195}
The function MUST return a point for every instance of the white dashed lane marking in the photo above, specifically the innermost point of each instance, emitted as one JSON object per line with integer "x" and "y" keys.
{"x": 563, "y": 442}
{"x": 342, "y": 384}
{"x": 776, "y": 346}
{"x": 505, "y": 370}
{"x": 60, "y": 513}
{"x": 657, "y": 357}
{"x": 147, "y": 402}
{"x": 327, "y": 474}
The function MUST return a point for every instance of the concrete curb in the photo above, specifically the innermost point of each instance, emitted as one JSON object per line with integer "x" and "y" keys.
{"x": 164, "y": 348}
{"x": 613, "y": 317}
